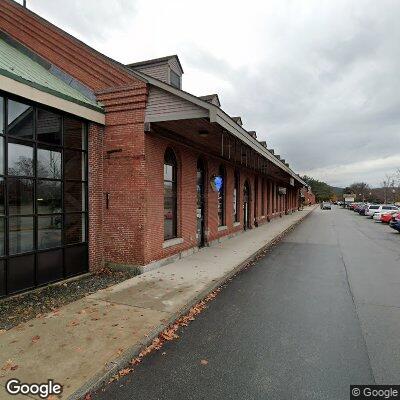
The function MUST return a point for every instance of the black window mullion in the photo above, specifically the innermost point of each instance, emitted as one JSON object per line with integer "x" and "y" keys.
{"x": 6, "y": 221}
{"x": 35, "y": 144}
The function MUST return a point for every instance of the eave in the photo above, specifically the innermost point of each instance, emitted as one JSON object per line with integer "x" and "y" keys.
{"x": 218, "y": 116}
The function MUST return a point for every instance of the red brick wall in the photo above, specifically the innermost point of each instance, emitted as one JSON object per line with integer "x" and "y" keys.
{"x": 125, "y": 175}
{"x": 155, "y": 147}
{"x": 95, "y": 142}
{"x": 309, "y": 197}
{"x": 127, "y": 164}
{"x": 69, "y": 54}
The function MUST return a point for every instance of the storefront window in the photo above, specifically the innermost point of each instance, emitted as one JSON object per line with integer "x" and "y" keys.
{"x": 43, "y": 195}
{"x": 20, "y": 235}
{"x": 49, "y": 231}
{"x": 170, "y": 195}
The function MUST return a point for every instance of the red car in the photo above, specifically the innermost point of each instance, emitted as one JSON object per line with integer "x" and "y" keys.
{"x": 386, "y": 218}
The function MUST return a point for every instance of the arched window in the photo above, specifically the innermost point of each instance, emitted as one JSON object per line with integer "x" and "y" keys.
{"x": 170, "y": 195}
{"x": 236, "y": 196}
{"x": 221, "y": 197}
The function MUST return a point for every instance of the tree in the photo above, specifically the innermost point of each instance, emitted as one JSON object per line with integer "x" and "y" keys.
{"x": 388, "y": 185}
{"x": 361, "y": 189}
{"x": 322, "y": 190}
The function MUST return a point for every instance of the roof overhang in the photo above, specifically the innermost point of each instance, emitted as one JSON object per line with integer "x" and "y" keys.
{"x": 220, "y": 117}
{"x": 50, "y": 98}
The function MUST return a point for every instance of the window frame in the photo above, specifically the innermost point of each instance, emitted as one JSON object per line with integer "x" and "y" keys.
{"x": 171, "y": 160}
{"x": 36, "y": 145}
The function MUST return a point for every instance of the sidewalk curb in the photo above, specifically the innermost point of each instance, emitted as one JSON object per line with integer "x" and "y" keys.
{"x": 121, "y": 362}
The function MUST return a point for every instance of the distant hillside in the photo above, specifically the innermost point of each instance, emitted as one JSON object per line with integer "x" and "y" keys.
{"x": 337, "y": 190}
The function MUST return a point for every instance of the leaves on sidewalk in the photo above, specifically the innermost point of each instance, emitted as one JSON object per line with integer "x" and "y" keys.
{"x": 9, "y": 365}
{"x": 35, "y": 339}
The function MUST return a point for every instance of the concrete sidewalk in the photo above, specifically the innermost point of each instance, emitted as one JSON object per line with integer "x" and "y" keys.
{"x": 89, "y": 340}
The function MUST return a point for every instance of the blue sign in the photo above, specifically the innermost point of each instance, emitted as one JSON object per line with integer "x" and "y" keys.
{"x": 217, "y": 183}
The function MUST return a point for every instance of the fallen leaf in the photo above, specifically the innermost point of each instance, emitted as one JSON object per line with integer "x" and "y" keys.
{"x": 9, "y": 365}
{"x": 35, "y": 339}
{"x": 203, "y": 362}
{"x": 125, "y": 371}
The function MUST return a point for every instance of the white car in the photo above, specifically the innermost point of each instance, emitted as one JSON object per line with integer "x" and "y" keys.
{"x": 379, "y": 208}
{"x": 377, "y": 216}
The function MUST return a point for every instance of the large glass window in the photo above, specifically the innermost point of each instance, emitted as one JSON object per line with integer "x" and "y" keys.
{"x": 75, "y": 228}
{"x": 48, "y": 197}
{"x": 74, "y": 134}
{"x": 48, "y": 128}
{"x": 43, "y": 195}
{"x": 20, "y": 234}
{"x": 49, "y": 163}
{"x": 170, "y": 195}
{"x": 74, "y": 196}
{"x": 20, "y": 196}
{"x": 49, "y": 231}
{"x": 1, "y": 115}
{"x": 221, "y": 197}
{"x": 74, "y": 164}
{"x": 20, "y": 120}
{"x": 20, "y": 159}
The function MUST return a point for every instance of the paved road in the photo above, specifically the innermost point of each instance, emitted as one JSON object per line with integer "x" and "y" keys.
{"x": 320, "y": 312}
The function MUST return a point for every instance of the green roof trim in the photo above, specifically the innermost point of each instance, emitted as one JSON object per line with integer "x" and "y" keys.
{"x": 16, "y": 65}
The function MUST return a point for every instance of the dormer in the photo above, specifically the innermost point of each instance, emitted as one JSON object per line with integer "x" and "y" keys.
{"x": 211, "y": 98}
{"x": 263, "y": 143}
{"x": 166, "y": 69}
{"x": 253, "y": 134}
{"x": 238, "y": 120}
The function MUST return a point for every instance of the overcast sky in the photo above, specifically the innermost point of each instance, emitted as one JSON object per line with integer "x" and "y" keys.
{"x": 318, "y": 80}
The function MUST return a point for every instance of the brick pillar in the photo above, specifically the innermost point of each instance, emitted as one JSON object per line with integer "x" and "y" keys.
{"x": 96, "y": 193}
{"x": 125, "y": 177}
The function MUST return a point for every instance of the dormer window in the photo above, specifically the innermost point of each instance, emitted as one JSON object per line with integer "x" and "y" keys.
{"x": 166, "y": 69}
{"x": 175, "y": 79}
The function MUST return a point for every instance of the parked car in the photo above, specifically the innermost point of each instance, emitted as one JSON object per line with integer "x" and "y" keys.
{"x": 395, "y": 222}
{"x": 326, "y": 205}
{"x": 362, "y": 209}
{"x": 387, "y": 217}
{"x": 374, "y": 208}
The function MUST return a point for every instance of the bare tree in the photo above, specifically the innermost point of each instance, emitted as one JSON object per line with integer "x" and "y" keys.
{"x": 388, "y": 185}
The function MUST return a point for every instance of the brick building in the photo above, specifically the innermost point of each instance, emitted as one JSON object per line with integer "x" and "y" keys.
{"x": 109, "y": 163}
{"x": 307, "y": 196}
